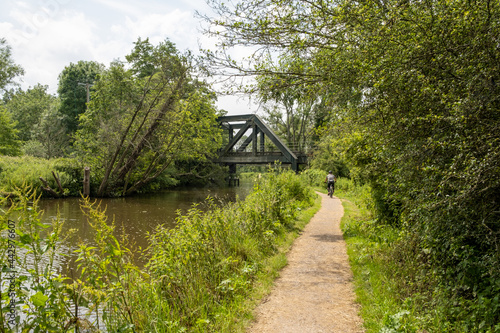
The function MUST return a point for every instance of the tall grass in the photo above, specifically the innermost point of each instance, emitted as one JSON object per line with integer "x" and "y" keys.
{"x": 34, "y": 297}
{"x": 370, "y": 249}
{"x": 200, "y": 274}
{"x": 17, "y": 171}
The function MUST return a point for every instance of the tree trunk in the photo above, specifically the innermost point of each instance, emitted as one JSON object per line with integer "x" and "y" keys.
{"x": 58, "y": 182}
{"x": 132, "y": 159}
{"x": 86, "y": 182}
{"x": 47, "y": 188}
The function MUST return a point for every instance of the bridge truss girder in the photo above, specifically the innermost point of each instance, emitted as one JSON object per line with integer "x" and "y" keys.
{"x": 229, "y": 155}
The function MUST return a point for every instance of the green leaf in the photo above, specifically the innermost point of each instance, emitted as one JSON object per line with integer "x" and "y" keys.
{"x": 24, "y": 238}
{"x": 39, "y": 299}
{"x": 126, "y": 328}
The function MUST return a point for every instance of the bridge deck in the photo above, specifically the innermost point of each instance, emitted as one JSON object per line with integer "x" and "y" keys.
{"x": 259, "y": 158}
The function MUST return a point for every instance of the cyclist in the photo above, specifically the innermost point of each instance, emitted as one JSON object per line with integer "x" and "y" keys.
{"x": 330, "y": 181}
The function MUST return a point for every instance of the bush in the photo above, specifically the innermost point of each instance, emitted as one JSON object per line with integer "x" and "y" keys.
{"x": 409, "y": 281}
{"x": 16, "y": 171}
{"x": 314, "y": 177}
{"x": 29, "y": 254}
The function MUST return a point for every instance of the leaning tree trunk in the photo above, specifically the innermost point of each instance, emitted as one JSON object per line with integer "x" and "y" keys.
{"x": 132, "y": 159}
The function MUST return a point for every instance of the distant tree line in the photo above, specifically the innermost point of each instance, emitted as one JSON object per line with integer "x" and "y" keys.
{"x": 137, "y": 124}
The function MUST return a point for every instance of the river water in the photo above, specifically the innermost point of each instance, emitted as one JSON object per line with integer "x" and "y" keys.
{"x": 135, "y": 216}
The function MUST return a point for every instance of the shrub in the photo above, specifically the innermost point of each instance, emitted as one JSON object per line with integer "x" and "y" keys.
{"x": 37, "y": 294}
{"x": 16, "y": 171}
{"x": 314, "y": 177}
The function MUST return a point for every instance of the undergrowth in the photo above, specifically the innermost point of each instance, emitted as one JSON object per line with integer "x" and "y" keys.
{"x": 202, "y": 276}
{"x": 398, "y": 286}
{"x": 17, "y": 171}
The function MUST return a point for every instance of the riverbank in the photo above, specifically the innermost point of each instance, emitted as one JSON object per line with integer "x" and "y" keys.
{"x": 198, "y": 279}
{"x": 64, "y": 177}
{"x": 58, "y": 177}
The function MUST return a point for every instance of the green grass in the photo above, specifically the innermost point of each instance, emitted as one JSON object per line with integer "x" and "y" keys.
{"x": 372, "y": 284}
{"x": 205, "y": 275}
{"x": 15, "y": 172}
{"x": 377, "y": 277}
{"x": 270, "y": 270}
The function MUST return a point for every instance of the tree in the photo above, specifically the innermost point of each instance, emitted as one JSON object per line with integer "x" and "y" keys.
{"x": 142, "y": 119}
{"x": 27, "y": 107}
{"x": 8, "y": 70}
{"x": 9, "y": 144}
{"x": 75, "y": 83}
{"x": 49, "y": 138}
{"x": 290, "y": 106}
{"x": 414, "y": 85}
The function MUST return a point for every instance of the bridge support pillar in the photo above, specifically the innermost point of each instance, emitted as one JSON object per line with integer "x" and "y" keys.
{"x": 262, "y": 141}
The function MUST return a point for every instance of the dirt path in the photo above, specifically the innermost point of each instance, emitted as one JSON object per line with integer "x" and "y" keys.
{"x": 314, "y": 292}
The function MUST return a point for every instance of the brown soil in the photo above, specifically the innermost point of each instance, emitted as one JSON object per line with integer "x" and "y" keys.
{"x": 314, "y": 292}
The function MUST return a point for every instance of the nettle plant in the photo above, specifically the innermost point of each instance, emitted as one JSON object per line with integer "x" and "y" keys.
{"x": 35, "y": 297}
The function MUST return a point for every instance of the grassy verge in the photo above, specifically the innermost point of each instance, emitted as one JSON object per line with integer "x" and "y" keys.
{"x": 376, "y": 274}
{"x": 365, "y": 245}
{"x": 205, "y": 275}
{"x": 272, "y": 266}
{"x": 15, "y": 172}
{"x": 237, "y": 255}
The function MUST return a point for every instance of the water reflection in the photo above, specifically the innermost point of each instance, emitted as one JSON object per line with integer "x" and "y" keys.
{"x": 134, "y": 216}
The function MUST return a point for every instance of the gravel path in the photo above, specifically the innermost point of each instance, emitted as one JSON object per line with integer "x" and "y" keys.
{"x": 314, "y": 292}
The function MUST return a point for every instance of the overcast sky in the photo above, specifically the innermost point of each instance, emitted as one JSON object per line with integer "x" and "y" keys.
{"x": 47, "y": 35}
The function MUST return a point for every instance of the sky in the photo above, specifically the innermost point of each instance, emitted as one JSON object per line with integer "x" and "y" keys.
{"x": 48, "y": 35}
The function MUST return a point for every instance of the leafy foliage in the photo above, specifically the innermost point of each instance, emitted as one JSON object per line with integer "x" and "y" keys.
{"x": 415, "y": 109}
{"x": 75, "y": 82}
{"x": 17, "y": 171}
{"x": 27, "y": 108}
{"x": 9, "y": 143}
{"x": 8, "y": 69}
{"x": 49, "y": 137}
{"x": 290, "y": 108}
{"x": 142, "y": 119}
{"x": 39, "y": 300}
{"x": 38, "y": 121}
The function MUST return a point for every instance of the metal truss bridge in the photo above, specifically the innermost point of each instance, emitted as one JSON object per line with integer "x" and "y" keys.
{"x": 262, "y": 151}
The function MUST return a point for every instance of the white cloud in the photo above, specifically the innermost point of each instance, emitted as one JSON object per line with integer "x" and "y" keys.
{"x": 122, "y": 6}
{"x": 175, "y": 25}
{"x": 47, "y": 35}
{"x": 44, "y": 48}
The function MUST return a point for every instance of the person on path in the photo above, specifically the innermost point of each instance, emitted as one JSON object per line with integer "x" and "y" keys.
{"x": 330, "y": 180}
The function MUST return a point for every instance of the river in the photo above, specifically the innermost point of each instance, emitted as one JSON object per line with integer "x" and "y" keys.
{"x": 135, "y": 216}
